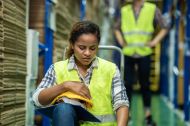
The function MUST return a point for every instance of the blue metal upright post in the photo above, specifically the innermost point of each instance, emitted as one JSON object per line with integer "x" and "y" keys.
{"x": 187, "y": 66}
{"x": 164, "y": 82}
{"x": 177, "y": 22}
{"x": 48, "y": 36}
{"x": 47, "y": 47}
{"x": 164, "y": 68}
{"x": 49, "y": 44}
{"x": 82, "y": 10}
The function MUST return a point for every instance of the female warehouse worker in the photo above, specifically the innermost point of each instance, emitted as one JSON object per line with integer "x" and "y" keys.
{"x": 88, "y": 76}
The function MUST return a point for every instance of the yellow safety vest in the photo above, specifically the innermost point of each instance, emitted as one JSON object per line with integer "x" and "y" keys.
{"x": 137, "y": 33}
{"x": 100, "y": 89}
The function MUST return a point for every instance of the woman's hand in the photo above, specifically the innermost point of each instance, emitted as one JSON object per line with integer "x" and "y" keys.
{"x": 78, "y": 88}
{"x": 151, "y": 44}
{"x": 47, "y": 95}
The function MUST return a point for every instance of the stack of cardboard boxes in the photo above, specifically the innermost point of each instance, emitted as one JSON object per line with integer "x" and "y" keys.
{"x": 13, "y": 62}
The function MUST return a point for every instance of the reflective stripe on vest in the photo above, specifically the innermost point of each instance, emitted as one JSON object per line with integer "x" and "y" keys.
{"x": 106, "y": 118}
{"x": 101, "y": 80}
{"x": 138, "y": 44}
{"x": 137, "y": 31}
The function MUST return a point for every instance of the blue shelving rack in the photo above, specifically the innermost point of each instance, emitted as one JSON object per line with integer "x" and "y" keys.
{"x": 177, "y": 22}
{"x": 47, "y": 47}
{"x": 164, "y": 58}
{"x": 187, "y": 66}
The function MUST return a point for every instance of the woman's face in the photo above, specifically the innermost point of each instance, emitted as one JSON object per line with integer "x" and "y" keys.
{"x": 85, "y": 49}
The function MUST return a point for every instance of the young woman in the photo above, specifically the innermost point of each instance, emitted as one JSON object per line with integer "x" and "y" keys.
{"x": 88, "y": 76}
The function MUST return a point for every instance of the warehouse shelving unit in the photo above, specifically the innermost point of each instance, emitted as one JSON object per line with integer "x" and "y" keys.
{"x": 165, "y": 57}
{"x": 181, "y": 69}
{"x": 187, "y": 66}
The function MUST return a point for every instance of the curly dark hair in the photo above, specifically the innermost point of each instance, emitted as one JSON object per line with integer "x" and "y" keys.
{"x": 79, "y": 28}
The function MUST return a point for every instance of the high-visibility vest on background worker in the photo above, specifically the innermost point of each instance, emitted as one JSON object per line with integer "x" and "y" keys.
{"x": 100, "y": 89}
{"x": 137, "y": 33}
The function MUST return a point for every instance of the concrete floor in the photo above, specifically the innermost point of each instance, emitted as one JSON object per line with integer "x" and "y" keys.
{"x": 162, "y": 114}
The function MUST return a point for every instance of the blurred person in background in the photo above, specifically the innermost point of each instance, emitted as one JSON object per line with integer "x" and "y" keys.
{"x": 85, "y": 75}
{"x": 134, "y": 32}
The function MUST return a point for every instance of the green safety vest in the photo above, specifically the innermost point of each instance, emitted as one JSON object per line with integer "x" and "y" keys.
{"x": 137, "y": 33}
{"x": 100, "y": 89}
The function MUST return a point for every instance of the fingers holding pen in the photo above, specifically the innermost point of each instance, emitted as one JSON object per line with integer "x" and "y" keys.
{"x": 85, "y": 92}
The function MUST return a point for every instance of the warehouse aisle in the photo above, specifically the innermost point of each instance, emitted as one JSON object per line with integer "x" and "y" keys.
{"x": 162, "y": 114}
{"x": 34, "y": 35}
